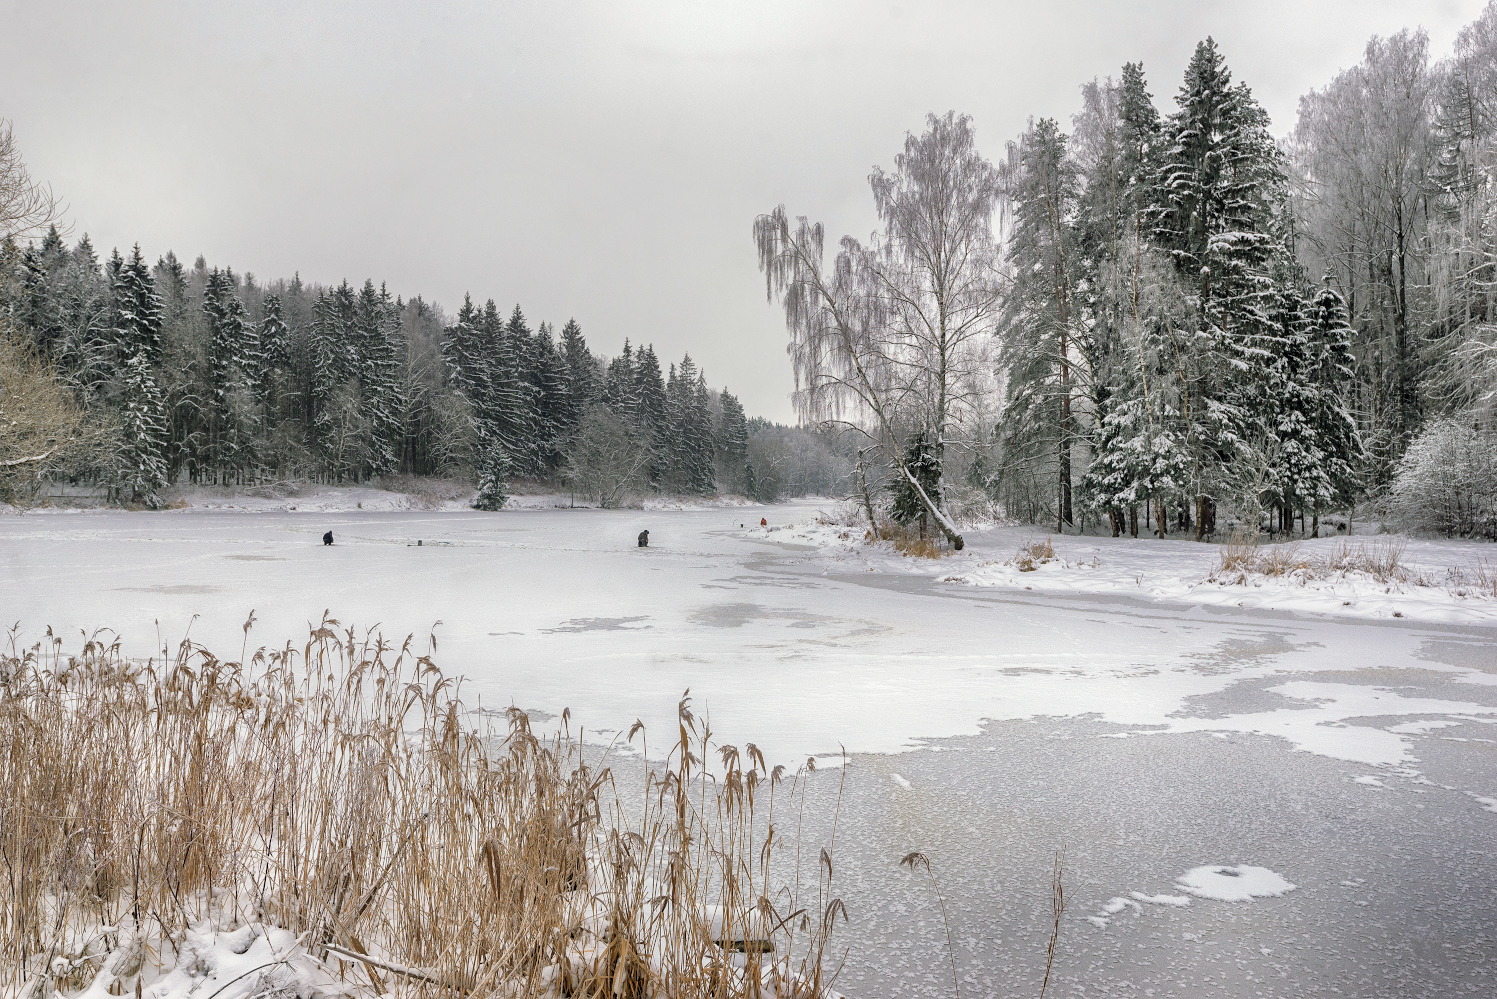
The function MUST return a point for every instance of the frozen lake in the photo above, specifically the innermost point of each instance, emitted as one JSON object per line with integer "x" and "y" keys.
{"x": 1354, "y": 758}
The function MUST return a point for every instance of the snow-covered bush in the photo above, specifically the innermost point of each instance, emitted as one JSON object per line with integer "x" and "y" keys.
{"x": 1446, "y": 483}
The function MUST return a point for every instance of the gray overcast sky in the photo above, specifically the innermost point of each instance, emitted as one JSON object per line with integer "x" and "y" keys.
{"x": 597, "y": 160}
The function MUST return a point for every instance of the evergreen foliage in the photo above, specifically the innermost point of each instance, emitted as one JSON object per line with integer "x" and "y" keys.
{"x": 213, "y": 377}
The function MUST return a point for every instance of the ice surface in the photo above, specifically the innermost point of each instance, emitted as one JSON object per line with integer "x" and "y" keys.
{"x": 1242, "y": 883}
{"x": 1006, "y": 705}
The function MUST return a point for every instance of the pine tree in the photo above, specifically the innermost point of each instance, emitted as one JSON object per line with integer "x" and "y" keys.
{"x": 650, "y": 410}
{"x": 233, "y": 357}
{"x": 324, "y": 347}
{"x": 275, "y": 345}
{"x": 507, "y": 415}
{"x": 620, "y": 390}
{"x": 1329, "y": 371}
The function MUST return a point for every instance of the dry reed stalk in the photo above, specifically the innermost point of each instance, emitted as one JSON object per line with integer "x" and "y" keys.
{"x": 344, "y": 793}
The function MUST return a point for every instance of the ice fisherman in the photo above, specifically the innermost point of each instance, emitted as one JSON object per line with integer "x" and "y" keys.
{"x": 644, "y": 539}
{"x": 327, "y": 538}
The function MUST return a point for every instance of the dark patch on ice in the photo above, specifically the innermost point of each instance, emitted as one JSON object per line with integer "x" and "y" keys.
{"x": 738, "y": 615}
{"x": 178, "y": 589}
{"x": 578, "y": 624}
{"x": 784, "y": 582}
{"x": 1246, "y": 697}
{"x": 1475, "y": 654}
{"x": 1232, "y": 654}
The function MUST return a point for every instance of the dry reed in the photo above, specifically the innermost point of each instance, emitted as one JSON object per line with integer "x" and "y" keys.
{"x": 343, "y": 792}
{"x": 1033, "y": 554}
{"x": 907, "y": 541}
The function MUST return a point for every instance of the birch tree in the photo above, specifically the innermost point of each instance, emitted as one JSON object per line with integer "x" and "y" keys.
{"x": 27, "y": 206}
{"x": 895, "y": 335}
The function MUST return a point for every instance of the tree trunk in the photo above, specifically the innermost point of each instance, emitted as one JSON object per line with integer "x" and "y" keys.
{"x": 867, "y": 500}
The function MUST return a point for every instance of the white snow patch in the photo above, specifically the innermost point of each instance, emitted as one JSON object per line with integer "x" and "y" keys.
{"x": 1370, "y": 781}
{"x": 1489, "y": 804}
{"x": 1176, "y": 900}
{"x": 1233, "y": 884}
{"x": 900, "y": 781}
{"x": 1118, "y": 904}
{"x": 1422, "y": 727}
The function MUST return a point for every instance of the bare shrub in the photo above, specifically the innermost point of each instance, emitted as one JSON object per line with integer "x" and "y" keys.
{"x": 1446, "y": 483}
{"x": 345, "y": 793}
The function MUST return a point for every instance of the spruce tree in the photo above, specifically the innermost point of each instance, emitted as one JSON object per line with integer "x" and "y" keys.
{"x": 922, "y": 458}
{"x": 139, "y": 471}
{"x": 732, "y": 442}
{"x": 1219, "y": 190}
{"x": 581, "y": 372}
{"x": 493, "y": 483}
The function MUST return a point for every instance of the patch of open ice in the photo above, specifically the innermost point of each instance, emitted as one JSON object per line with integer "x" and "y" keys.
{"x": 1233, "y": 884}
{"x": 1421, "y": 727}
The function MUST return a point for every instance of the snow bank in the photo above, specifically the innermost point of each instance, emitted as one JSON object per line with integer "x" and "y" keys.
{"x": 1190, "y": 572}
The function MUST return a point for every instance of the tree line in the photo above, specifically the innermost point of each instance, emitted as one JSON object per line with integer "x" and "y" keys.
{"x": 203, "y": 375}
{"x": 1153, "y": 315}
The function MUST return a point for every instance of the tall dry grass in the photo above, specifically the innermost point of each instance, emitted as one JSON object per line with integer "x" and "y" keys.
{"x": 344, "y": 792}
{"x": 906, "y": 539}
{"x": 1381, "y": 560}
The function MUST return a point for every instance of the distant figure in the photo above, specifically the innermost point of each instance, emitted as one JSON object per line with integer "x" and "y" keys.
{"x": 644, "y": 539}
{"x": 763, "y": 522}
{"x": 327, "y": 538}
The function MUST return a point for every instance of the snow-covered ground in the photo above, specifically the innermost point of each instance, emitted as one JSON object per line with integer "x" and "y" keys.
{"x": 1165, "y": 728}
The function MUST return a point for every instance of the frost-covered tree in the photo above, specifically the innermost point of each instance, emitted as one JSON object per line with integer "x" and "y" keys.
{"x": 731, "y": 444}
{"x": 1039, "y": 323}
{"x": 1220, "y": 194}
{"x": 139, "y": 468}
{"x": 896, "y": 335}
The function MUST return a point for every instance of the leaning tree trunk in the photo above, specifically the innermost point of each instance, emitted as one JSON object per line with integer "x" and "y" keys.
{"x": 938, "y": 515}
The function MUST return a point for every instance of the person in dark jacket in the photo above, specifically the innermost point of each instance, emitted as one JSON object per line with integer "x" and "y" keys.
{"x": 644, "y": 539}
{"x": 327, "y": 538}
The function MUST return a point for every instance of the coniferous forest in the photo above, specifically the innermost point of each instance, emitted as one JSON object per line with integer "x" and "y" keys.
{"x": 206, "y": 376}
{"x": 1200, "y": 314}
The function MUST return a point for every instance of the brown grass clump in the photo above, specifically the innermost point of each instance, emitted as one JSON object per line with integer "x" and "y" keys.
{"x": 907, "y": 541}
{"x": 1033, "y": 554}
{"x": 1380, "y": 560}
{"x": 344, "y": 793}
